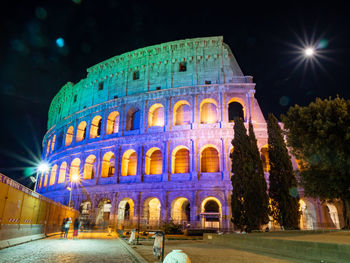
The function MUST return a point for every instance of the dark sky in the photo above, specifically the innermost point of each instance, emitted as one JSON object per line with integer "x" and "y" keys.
{"x": 263, "y": 38}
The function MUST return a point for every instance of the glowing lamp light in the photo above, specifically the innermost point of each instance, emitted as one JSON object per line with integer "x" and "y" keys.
{"x": 43, "y": 167}
{"x": 75, "y": 178}
{"x": 60, "y": 42}
{"x": 309, "y": 52}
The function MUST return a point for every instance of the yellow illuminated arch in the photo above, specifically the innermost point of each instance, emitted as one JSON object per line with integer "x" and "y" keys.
{"x": 81, "y": 131}
{"x": 74, "y": 168}
{"x": 108, "y": 165}
{"x": 210, "y": 159}
{"x": 53, "y": 175}
{"x": 69, "y": 135}
{"x": 129, "y": 163}
{"x": 208, "y": 111}
{"x": 180, "y": 160}
{"x": 95, "y": 129}
{"x": 156, "y": 115}
{"x": 90, "y": 167}
{"x": 62, "y": 173}
{"x": 154, "y": 161}
{"x": 113, "y": 123}
{"x": 181, "y": 113}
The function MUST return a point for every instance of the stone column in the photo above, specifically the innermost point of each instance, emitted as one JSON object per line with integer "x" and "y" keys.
{"x": 166, "y": 174}
{"x": 250, "y": 111}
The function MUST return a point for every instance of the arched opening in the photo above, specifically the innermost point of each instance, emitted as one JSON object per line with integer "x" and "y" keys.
{"x": 69, "y": 135}
{"x": 156, "y": 115}
{"x": 182, "y": 113}
{"x": 85, "y": 214}
{"x": 208, "y": 111}
{"x": 81, "y": 131}
{"x": 95, "y": 129}
{"x": 154, "y": 161}
{"x": 151, "y": 212}
{"x": 46, "y": 178}
{"x": 113, "y": 123}
{"x": 90, "y": 167}
{"x": 180, "y": 160}
{"x": 53, "y": 143}
{"x": 129, "y": 163}
{"x": 126, "y": 212}
{"x": 180, "y": 210}
{"x": 210, "y": 160}
{"x": 103, "y": 213}
{"x": 108, "y": 165}
{"x": 74, "y": 168}
{"x": 211, "y": 212}
{"x": 53, "y": 175}
{"x": 308, "y": 215}
{"x": 48, "y": 147}
{"x": 62, "y": 173}
{"x": 235, "y": 110}
{"x": 333, "y": 213}
{"x": 265, "y": 158}
{"x": 133, "y": 119}
{"x": 59, "y": 139}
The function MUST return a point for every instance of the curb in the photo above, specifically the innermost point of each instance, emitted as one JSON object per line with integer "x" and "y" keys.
{"x": 136, "y": 256}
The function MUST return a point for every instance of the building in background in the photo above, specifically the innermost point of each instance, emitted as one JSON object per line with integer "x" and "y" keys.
{"x": 149, "y": 133}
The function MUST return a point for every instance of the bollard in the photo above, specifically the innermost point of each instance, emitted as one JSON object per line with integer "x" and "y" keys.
{"x": 159, "y": 243}
{"x": 178, "y": 256}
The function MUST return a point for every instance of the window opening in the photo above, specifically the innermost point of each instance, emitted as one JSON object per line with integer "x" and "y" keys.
{"x": 182, "y": 66}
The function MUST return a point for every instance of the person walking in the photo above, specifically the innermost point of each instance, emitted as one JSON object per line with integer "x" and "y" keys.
{"x": 63, "y": 226}
{"x": 76, "y": 226}
{"x": 66, "y": 227}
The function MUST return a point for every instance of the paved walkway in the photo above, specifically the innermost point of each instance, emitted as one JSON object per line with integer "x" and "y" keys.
{"x": 55, "y": 249}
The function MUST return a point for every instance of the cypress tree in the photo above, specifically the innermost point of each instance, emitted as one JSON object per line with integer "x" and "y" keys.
{"x": 282, "y": 183}
{"x": 262, "y": 205}
{"x": 247, "y": 200}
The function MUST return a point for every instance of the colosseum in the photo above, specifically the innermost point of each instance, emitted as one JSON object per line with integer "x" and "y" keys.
{"x": 148, "y": 136}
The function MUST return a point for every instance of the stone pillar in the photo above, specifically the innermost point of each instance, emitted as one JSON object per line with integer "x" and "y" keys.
{"x": 194, "y": 173}
{"x": 166, "y": 155}
{"x": 139, "y": 152}
{"x": 99, "y": 166}
{"x": 250, "y": 111}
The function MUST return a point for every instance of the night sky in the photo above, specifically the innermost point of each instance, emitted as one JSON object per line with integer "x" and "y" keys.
{"x": 264, "y": 39}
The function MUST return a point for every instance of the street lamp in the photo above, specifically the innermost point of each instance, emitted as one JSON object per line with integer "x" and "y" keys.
{"x": 42, "y": 168}
{"x": 309, "y": 51}
{"x": 74, "y": 178}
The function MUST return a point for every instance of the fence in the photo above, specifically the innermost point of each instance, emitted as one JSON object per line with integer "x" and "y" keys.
{"x": 25, "y": 215}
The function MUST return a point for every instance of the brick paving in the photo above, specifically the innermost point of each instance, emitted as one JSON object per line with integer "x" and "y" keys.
{"x": 54, "y": 249}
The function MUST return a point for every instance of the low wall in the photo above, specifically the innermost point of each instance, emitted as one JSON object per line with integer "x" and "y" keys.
{"x": 291, "y": 249}
{"x": 25, "y": 215}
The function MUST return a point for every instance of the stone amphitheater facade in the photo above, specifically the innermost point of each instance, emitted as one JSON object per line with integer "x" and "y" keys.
{"x": 149, "y": 134}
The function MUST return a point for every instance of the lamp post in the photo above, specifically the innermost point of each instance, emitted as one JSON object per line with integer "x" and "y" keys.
{"x": 74, "y": 178}
{"x": 43, "y": 168}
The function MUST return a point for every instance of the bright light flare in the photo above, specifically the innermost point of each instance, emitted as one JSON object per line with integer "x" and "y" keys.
{"x": 309, "y": 52}
{"x": 43, "y": 167}
{"x": 75, "y": 178}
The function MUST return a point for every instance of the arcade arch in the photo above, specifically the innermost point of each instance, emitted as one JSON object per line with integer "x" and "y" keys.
{"x": 81, "y": 131}
{"x": 154, "y": 161}
{"x": 113, "y": 123}
{"x": 210, "y": 159}
{"x": 208, "y": 111}
{"x": 108, "y": 165}
{"x": 129, "y": 163}
{"x": 126, "y": 209}
{"x": 90, "y": 167}
{"x": 181, "y": 113}
{"x": 69, "y": 135}
{"x": 156, "y": 115}
{"x": 133, "y": 119}
{"x": 103, "y": 212}
{"x": 235, "y": 109}
{"x": 180, "y": 160}
{"x": 53, "y": 175}
{"x": 180, "y": 210}
{"x": 62, "y": 173}
{"x": 333, "y": 213}
{"x": 74, "y": 168}
{"x": 151, "y": 211}
{"x": 211, "y": 212}
{"x": 95, "y": 128}
{"x": 308, "y": 215}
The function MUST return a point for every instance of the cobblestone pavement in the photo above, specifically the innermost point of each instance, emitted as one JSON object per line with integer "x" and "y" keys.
{"x": 62, "y": 250}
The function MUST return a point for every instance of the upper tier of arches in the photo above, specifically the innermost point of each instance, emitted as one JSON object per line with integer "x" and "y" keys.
{"x": 158, "y": 115}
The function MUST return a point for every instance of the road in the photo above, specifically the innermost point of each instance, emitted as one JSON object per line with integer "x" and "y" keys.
{"x": 59, "y": 250}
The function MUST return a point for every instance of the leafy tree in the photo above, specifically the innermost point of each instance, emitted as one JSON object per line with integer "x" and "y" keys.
{"x": 247, "y": 208}
{"x": 262, "y": 206}
{"x": 319, "y": 137}
{"x": 283, "y": 186}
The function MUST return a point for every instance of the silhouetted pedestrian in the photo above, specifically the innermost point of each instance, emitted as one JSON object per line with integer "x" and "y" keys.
{"x": 66, "y": 227}
{"x": 76, "y": 228}
{"x": 63, "y": 227}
